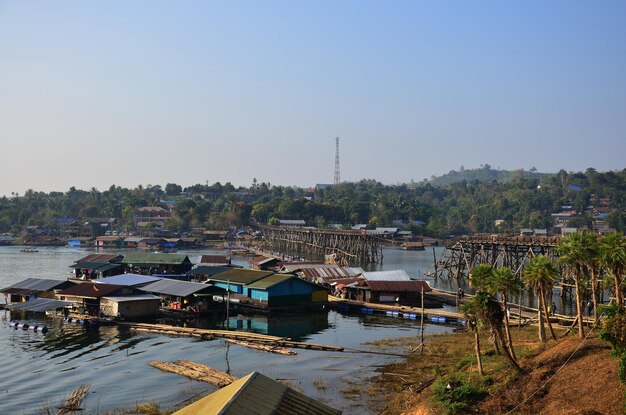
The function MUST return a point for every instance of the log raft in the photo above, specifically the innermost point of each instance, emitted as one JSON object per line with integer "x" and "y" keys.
{"x": 195, "y": 371}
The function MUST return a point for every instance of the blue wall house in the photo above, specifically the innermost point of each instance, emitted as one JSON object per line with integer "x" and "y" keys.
{"x": 285, "y": 290}
{"x": 234, "y": 279}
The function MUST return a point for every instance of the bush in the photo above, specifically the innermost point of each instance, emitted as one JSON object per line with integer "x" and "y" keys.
{"x": 456, "y": 396}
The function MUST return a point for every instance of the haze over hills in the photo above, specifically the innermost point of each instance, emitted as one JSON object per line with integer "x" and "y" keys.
{"x": 486, "y": 174}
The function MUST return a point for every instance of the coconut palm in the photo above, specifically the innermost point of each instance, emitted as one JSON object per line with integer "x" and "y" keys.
{"x": 540, "y": 275}
{"x": 471, "y": 310}
{"x": 479, "y": 279}
{"x": 613, "y": 257}
{"x": 574, "y": 252}
{"x": 594, "y": 267}
{"x": 504, "y": 282}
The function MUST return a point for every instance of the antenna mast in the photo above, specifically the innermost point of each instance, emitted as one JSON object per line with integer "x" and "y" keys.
{"x": 337, "y": 176}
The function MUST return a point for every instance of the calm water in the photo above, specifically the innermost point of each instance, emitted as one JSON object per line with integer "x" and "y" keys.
{"x": 38, "y": 369}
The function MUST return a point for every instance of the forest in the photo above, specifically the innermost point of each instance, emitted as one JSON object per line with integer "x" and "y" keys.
{"x": 469, "y": 201}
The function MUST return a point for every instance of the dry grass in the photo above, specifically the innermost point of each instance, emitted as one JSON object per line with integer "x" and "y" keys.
{"x": 320, "y": 384}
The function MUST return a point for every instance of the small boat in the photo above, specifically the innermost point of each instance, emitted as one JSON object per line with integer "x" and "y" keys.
{"x": 29, "y": 250}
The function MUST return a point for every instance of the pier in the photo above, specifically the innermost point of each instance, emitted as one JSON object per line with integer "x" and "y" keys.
{"x": 354, "y": 246}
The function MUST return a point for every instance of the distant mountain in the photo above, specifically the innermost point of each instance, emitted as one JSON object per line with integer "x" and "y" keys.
{"x": 485, "y": 174}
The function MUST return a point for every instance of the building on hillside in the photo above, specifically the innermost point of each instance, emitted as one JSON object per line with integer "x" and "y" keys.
{"x": 153, "y": 263}
{"x": 292, "y": 223}
{"x": 257, "y": 394}
{"x": 150, "y": 216}
{"x": 33, "y": 288}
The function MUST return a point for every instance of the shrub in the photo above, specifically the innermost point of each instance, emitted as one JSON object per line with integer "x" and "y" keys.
{"x": 456, "y": 396}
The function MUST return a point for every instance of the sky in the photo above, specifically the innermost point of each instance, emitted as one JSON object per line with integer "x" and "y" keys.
{"x": 153, "y": 92}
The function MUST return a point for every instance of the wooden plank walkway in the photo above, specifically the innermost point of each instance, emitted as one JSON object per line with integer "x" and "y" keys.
{"x": 399, "y": 308}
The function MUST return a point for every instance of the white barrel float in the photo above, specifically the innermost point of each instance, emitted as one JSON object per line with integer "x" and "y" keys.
{"x": 40, "y": 327}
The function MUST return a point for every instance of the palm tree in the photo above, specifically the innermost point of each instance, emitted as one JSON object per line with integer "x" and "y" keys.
{"x": 593, "y": 267}
{"x": 540, "y": 275}
{"x": 479, "y": 278}
{"x": 613, "y": 257}
{"x": 574, "y": 252}
{"x": 471, "y": 310}
{"x": 503, "y": 281}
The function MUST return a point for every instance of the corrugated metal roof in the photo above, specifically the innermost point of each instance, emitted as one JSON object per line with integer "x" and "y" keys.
{"x": 295, "y": 266}
{"x": 135, "y": 297}
{"x": 270, "y": 281}
{"x": 101, "y": 258}
{"x": 215, "y": 260}
{"x": 399, "y": 286}
{"x": 95, "y": 266}
{"x": 177, "y": 288}
{"x": 393, "y": 275}
{"x": 153, "y": 258}
{"x": 256, "y": 394}
{"x": 240, "y": 276}
{"x": 33, "y": 285}
{"x": 91, "y": 290}
{"x": 208, "y": 270}
{"x": 128, "y": 279}
{"x": 39, "y": 305}
{"x": 330, "y": 273}
{"x": 259, "y": 260}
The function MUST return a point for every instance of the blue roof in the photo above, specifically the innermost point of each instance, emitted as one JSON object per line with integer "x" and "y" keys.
{"x": 128, "y": 280}
{"x": 573, "y": 187}
{"x": 601, "y": 215}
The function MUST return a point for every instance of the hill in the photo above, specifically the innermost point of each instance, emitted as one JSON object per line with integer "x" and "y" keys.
{"x": 485, "y": 174}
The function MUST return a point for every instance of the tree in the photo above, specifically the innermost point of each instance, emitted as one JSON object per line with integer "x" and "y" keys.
{"x": 574, "y": 252}
{"x": 504, "y": 282}
{"x": 471, "y": 309}
{"x": 612, "y": 253}
{"x": 540, "y": 275}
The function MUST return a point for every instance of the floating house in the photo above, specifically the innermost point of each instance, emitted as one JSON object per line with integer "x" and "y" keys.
{"x": 152, "y": 263}
{"x": 6, "y": 240}
{"x": 130, "y": 307}
{"x": 80, "y": 241}
{"x": 395, "y": 286}
{"x": 96, "y": 266}
{"x": 215, "y": 260}
{"x": 285, "y": 291}
{"x": 184, "y": 295}
{"x": 88, "y": 295}
{"x": 204, "y": 272}
{"x": 33, "y": 288}
{"x": 129, "y": 280}
{"x": 234, "y": 279}
{"x": 110, "y": 241}
{"x": 263, "y": 263}
{"x": 257, "y": 394}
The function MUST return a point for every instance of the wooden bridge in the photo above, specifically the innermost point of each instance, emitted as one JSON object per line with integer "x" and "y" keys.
{"x": 463, "y": 254}
{"x": 355, "y": 247}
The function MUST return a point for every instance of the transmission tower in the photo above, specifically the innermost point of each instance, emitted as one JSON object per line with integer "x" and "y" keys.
{"x": 337, "y": 176}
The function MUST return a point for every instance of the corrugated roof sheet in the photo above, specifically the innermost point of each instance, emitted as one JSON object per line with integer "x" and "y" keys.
{"x": 33, "y": 285}
{"x": 101, "y": 258}
{"x": 208, "y": 270}
{"x": 215, "y": 260}
{"x": 39, "y": 305}
{"x": 177, "y": 288}
{"x": 128, "y": 279}
{"x": 95, "y": 266}
{"x": 393, "y": 275}
{"x": 329, "y": 273}
{"x": 256, "y": 394}
{"x": 260, "y": 260}
{"x": 399, "y": 286}
{"x": 91, "y": 290}
{"x": 240, "y": 276}
{"x": 152, "y": 258}
{"x": 135, "y": 297}
{"x": 295, "y": 266}
{"x": 270, "y": 281}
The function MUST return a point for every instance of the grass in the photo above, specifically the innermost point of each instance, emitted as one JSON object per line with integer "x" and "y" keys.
{"x": 320, "y": 384}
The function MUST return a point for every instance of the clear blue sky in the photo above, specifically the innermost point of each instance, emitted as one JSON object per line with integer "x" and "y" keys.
{"x": 94, "y": 93}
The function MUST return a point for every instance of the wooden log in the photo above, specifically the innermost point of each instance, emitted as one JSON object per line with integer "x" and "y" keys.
{"x": 264, "y": 347}
{"x": 195, "y": 371}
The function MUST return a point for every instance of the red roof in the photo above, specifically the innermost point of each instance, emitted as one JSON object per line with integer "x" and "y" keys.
{"x": 214, "y": 259}
{"x": 91, "y": 290}
{"x": 399, "y": 286}
{"x": 100, "y": 258}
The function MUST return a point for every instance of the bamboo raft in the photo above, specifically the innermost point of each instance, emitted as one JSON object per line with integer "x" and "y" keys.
{"x": 264, "y": 347}
{"x": 242, "y": 337}
{"x": 195, "y": 371}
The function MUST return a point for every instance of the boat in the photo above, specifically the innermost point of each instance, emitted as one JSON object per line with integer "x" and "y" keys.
{"x": 29, "y": 250}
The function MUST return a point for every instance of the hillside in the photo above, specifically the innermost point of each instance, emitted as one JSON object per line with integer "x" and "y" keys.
{"x": 485, "y": 174}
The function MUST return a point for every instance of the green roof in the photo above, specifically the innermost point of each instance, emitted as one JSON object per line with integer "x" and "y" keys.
{"x": 158, "y": 259}
{"x": 208, "y": 270}
{"x": 270, "y": 281}
{"x": 240, "y": 275}
{"x": 257, "y": 394}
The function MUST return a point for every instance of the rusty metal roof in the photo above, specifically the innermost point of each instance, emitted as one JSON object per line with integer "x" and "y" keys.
{"x": 215, "y": 260}
{"x": 101, "y": 258}
{"x": 91, "y": 290}
{"x": 330, "y": 273}
{"x": 399, "y": 286}
{"x": 256, "y": 394}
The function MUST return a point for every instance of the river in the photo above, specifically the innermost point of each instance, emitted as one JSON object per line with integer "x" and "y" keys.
{"x": 39, "y": 369}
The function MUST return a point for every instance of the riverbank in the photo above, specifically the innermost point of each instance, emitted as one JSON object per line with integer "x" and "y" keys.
{"x": 562, "y": 376}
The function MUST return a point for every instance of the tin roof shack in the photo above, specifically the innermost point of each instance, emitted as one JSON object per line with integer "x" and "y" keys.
{"x": 97, "y": 266}
{"x": 33, "y": 288}
{"x": 151, "y": 263}
{"x": 6, "y": 240}
{"x": 87, "y": 295}
{"x": 109, "y": 241}
{"x": 394, "y": 286}
{"x": 279, "y": 291}
{"x": 130, "y": 307}
{"x": 80, "y": 241}
{"x": 257, "y": 394}
{"x": 191, "y": 297}
{"x": 261, "y": 263}
{"x": 235, "y": 279}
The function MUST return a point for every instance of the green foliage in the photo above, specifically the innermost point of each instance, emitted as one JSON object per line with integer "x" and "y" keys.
{"x": 455, "y": 396}
{"x": 614, "y": 332}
